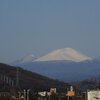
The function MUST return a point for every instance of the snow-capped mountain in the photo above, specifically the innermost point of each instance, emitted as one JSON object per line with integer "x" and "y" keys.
{"x": 24, "y": 60}
{"x": 64, "y": 54}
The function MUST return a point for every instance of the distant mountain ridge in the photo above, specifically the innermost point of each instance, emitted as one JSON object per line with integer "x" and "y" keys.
{"x": 65, "y": 64}
{"x": 65, "y": 70}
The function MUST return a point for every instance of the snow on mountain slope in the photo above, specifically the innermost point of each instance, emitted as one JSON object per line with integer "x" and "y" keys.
{"x": 64, "y": 54}
{"x": 29, "y": 58}
{"x": 26, "y": 59}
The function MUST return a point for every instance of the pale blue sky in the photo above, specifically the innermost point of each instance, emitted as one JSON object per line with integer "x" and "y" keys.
{"x": 41, "y": 26}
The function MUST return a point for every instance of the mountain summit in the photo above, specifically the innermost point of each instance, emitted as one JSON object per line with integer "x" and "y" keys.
{"x": 64, "y": 54}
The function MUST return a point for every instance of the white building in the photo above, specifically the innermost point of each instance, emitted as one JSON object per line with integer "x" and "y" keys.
{"x": 93, "y": 95}
{"x": 44, "y": 93}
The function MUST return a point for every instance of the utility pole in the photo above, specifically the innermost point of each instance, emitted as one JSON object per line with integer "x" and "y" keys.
{"x": 67, "y": 95}
{"x": 24, "y": 94}
{"x": 17, "y": 78}
{"x": 28, "y": 94}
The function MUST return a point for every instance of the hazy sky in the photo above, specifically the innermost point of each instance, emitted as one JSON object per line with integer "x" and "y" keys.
{"x": 41, "y": 26}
